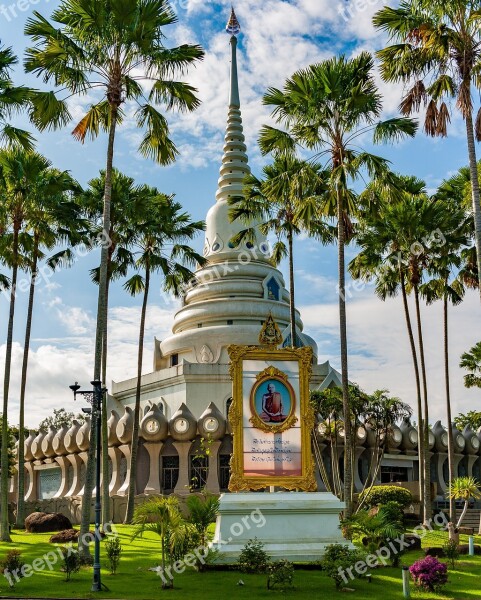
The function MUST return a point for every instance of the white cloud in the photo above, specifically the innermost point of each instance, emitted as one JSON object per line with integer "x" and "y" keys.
{"x": 379, "y": 350}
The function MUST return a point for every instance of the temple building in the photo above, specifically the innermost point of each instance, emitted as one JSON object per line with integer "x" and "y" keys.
{"x": 186, "y": 442}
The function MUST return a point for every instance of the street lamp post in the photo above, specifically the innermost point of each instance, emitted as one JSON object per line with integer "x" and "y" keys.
{"x": 94, "y": 397}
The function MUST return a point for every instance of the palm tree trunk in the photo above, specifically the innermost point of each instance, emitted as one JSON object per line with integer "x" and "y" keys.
{"x": 414, "y": 355}
{"x": 4, "y": 464}
{"x": 427, "y": 460}
{"x": 292, "y": 306}
{"x": 473, "y": 168}
{"x": 348, "y": 475}
{"x": 20, "y": 520}
{"x": 100, "y": 333}
{"x": 452, "y": 501}
{"x": 462, "y": 515}
{"x": 135, "y": 431}
{"x": 105, "y": 433}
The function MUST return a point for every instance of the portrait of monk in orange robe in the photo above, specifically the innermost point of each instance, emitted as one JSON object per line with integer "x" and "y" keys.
{"x": 272, "y": 405}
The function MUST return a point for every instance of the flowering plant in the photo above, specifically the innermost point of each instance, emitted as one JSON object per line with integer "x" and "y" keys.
{"x": 429, "y": 574}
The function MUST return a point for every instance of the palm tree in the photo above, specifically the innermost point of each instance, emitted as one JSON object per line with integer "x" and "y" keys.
{"x": 399, "y": 240}
{"x": 12, "y": 100}
{"x": 285, "y": 203}
{"x": 437, "y": 52}
{"x": 19, "y": 170}
{"x": 464, "y": 488}
{"x": 109, "y": 47}
{"x": 203, "y": 511}
{"x": 159, "y": 232}
{"x": 327, "y": 107}
{"x": 52, "y": 218}
{"x": 124, "y": 196}
{"x": 471, "y": 361}
{"x": 389, "y": 272}
{"x": 162, "y": 516}
{"x": 442, "y": 287}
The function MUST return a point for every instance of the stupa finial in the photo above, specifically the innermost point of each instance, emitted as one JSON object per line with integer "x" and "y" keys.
{"x": 233, "y": 26}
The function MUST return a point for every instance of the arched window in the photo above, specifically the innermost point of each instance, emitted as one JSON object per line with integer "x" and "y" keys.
{"x": 273, "y": 289}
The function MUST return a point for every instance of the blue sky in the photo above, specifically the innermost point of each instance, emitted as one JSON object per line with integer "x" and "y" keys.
{"x": 278, "y": 38}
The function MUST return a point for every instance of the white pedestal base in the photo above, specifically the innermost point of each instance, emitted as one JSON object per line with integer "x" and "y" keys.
{"x": 296, "y": 526}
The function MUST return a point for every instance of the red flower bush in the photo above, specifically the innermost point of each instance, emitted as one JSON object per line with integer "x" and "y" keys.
{"x": 429, "y": 574}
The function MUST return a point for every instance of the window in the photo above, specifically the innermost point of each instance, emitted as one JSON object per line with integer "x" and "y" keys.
{"x": 199, "y": 467}
{"x": 230, "y": 322}
{"x": 228, "y": 404}
{"x": 174, "y": 360}
{"x": 273, "y": 289}
{"x": 170, "y": 472}
{"x": 49, "y": 481}
{"x": 224, "y": 471}
{"x": 199, "y": 325}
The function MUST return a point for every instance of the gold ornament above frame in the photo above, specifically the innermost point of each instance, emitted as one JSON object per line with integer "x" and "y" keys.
{"x": 269, "y": 411}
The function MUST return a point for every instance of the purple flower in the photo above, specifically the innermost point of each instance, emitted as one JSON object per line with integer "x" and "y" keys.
{"x": 429, "y": 574}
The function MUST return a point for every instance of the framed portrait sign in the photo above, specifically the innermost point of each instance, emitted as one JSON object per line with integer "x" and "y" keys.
{"x": 271, "y": 418}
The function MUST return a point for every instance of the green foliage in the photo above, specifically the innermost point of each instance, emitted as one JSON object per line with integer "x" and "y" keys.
{"x": 203, "y": 511}
{"x": 338, "y": 558}
{"x": 471, "y": 361}
{"x": 471, "y": 419}
{"x": 162, "y": 516}
{"x": 280, "y": 574}
{"x": 113, "y": 550}
{"x": 253, "y": 558}
{"x": 11, "y": 566}
{"x": 382, "y": 494}
{"x": 70, "y": 562}
{"x": 60, "y": 418}
{"x": 451, "y": 550}
{"x": 375, "y": 530}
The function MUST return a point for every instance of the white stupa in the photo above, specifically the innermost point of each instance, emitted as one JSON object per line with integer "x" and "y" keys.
{"x": 227, "y": 303}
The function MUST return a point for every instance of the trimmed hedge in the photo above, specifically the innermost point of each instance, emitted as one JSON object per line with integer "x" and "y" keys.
{"x": 382, "y": 494}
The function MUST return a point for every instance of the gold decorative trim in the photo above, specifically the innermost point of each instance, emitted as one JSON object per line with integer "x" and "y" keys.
{"x": 303, "y": 356}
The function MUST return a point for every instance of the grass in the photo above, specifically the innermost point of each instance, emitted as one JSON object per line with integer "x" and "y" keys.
{"x": 135, "y": 581}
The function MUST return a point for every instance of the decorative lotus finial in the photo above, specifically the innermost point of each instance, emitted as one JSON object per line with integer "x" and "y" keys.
{"x": 233, "y": 26}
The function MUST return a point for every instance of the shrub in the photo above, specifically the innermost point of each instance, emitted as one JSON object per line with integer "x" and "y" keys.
{"x": 337, "y": 559}
{"x": 253, "y": 558}
{"x": 70, "y": 562}
{"x": 11, "y": 567}
{"x": 280, "y": 574}
{"x": 382, "y": 494}
{"x": 113, "y": 549}
{"x": 429, "y": 574}
{"x": 451, "y": 551}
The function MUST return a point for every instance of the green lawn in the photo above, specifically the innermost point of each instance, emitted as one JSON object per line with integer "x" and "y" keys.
{"x": 135, "y": 581}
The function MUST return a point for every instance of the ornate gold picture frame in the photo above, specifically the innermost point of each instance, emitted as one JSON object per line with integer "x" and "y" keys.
{"x": 291, "y": 407}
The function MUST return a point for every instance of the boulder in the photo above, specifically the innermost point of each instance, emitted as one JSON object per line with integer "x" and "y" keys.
{"x": 65, "y": 536}
{"x": 435, "y": 551}
{"x": 464, "y": 549}
{"x": 466, "y": 530}
{"x": 39, "y": 522}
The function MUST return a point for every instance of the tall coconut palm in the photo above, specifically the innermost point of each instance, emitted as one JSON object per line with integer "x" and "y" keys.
{"x": 19, "y": 171}
{"x": 328, "y": 107}
{"x": 285, "y": 203}
{"x": 110, "y": 48}
{"x": 437, "y": 52}
{"x": 12, "y": 100}
{"x": 124, "y": 196}
{"x": 389, "y": 273}
{"x": 450, "y": 289}
{"x": 52, "y": 218}
{"x": 160, "y": 231}
{"x": 399, "y": 240}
